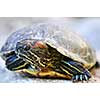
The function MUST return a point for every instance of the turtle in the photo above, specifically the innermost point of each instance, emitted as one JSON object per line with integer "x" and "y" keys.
{"x": 46, "y": 50}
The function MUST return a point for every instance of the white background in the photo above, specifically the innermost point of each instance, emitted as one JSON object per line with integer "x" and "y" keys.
{"x": 52, "y": 8}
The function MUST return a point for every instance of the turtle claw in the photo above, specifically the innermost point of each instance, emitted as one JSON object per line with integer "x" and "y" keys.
{"x": 82, "y": 77}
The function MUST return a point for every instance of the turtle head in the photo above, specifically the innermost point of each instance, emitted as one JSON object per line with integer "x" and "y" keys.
{"x": 31, "y": 50}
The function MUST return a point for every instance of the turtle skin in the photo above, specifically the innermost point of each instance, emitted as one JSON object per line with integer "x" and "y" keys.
{"x": 35, "y": 58}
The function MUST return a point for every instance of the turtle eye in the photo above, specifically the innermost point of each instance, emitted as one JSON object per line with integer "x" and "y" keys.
{"x": 20, "y": 47}
{"x": 26, "y": 47}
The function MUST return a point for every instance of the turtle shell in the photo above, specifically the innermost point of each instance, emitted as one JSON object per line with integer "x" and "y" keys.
{"x": 59, "y": 37}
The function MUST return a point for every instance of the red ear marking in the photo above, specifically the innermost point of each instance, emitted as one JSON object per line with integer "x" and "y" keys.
{"x": 39, "y": 44}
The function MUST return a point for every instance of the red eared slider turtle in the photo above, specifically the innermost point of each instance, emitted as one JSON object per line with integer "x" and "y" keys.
{"x": 49, "y": 51}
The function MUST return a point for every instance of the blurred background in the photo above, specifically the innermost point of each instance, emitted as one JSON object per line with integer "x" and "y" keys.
{"x": 89, "y": 28}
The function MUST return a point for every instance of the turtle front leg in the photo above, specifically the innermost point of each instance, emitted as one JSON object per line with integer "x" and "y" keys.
{"x": 76, "y": 70}
{"x": 13, "y": 62}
